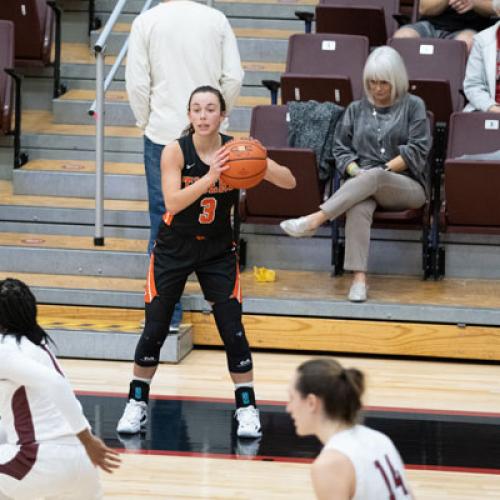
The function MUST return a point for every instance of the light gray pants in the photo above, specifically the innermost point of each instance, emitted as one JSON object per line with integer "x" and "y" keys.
{"x": 358, "y": 197}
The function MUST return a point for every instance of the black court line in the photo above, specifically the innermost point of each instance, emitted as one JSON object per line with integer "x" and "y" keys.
{"x": 192, "y": 426}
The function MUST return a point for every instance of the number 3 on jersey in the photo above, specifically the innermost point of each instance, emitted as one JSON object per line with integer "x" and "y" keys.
{"x": 208, "y": 215}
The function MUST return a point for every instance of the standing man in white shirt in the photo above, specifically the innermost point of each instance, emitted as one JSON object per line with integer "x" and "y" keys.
{"x": 174, "y": 48}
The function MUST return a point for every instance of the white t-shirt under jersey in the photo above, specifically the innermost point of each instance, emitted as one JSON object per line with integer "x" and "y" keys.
{"x": 377, "y": 464}
{"x": 36, "y": 401}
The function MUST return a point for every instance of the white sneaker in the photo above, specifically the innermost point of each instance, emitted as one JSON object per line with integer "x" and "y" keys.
{"x": 357, "y": 293}
{"x": 247, "y": 447}
{"x": 134, "y": 418}
{"x": 248, "y": 422}
{"x": 130, "y": 441}
{"x": 297, "y": 227}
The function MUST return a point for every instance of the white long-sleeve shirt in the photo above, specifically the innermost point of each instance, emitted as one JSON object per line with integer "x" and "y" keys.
{"x": 37, "y": 403}
{"x": 175, "y": 47}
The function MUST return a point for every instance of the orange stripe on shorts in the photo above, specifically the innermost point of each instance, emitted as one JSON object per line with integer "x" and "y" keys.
{"x": 237, "y": 284}
{"x": 150, "y": 292}
{"x": 168, "y": 218}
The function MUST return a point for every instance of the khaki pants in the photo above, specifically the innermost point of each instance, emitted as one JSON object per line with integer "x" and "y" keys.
{"x": 358, "y": 197}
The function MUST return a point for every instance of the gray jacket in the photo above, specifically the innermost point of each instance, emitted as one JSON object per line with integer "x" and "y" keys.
{"x": 372, "y": 136}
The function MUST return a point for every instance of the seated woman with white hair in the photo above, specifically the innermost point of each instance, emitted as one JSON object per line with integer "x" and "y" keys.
{"x": 381, "y": 148}
{"x": 482, "y": 76}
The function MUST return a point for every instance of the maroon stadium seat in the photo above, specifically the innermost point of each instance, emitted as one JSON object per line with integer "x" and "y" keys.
{"x": 371, "y": 18}
{"x": 33, "y": 17}
{"x": 436, "y": 69}
{"x": 471, "y": 185}
{"x": 266, "y": 203}
{"x": 8, "y": 91}
{"x": 324, "y": 67}
{"x": 35, "y": 21}
{"x": 6, "y": 62}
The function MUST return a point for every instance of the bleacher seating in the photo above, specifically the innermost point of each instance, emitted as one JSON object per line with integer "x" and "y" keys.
{"x": 471, "y": 185}
{"x": 266, "y": 203}
{"x": 436, "y": 69}
{"x": 37, "y": 22}
{"x": 10, "y": 96}
{"x": 323, "y": 67}
{"x": 6, "y": 62}
{"x": 374, "y": 19}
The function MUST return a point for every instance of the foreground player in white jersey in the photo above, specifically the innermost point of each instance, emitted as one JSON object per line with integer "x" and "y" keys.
{"x": 48, "y": 449}
{"x": 356, "y": 463}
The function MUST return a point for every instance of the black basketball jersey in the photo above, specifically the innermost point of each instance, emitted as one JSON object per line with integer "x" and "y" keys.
{"x": 210, "y": 214}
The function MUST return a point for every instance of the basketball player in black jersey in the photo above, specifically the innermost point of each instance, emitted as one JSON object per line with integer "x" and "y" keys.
{"x": 197, "y": 236}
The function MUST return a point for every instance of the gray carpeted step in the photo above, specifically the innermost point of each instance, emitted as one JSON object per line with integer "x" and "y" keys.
{"x": 251, "y": 49}
{"x": 119, "y": 113}
{"x": 69, "y": 261}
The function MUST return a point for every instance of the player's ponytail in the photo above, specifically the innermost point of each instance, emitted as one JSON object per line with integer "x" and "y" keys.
{"x": 204, "y": 88}
{"x": 340, "y": 389}
{"x": 18, "y": 312}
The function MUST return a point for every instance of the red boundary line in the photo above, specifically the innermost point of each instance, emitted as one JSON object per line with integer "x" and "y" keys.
{"x": 270, "y": 458}
{"x": 394, "y": 409}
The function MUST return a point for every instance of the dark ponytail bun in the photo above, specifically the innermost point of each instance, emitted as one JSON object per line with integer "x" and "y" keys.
{"x": 340, "y": 389}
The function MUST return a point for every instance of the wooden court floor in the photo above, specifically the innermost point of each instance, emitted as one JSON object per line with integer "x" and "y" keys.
{"x": 419, "y": 385}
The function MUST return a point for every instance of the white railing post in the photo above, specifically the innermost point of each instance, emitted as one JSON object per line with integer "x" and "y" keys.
{"x": 99, "y": 150}
{"x": 97, "y": 110}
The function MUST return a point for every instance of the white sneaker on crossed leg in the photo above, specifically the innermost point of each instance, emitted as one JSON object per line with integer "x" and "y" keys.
{"x": 298, "y": 228}
{"x": 134, "y": 418}
{"x": 248, "y": 422}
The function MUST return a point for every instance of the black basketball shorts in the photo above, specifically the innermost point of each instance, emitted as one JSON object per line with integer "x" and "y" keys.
{"x": 176, "y": 256}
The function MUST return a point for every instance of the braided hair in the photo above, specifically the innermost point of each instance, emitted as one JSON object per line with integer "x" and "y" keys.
{"x": 18, "y": 312}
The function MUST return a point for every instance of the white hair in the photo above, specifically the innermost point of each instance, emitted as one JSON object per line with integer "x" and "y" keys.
{"x": 385, "y": 63}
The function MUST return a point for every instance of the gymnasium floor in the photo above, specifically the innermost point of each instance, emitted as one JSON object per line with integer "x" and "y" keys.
{"x": 443, "y": 416}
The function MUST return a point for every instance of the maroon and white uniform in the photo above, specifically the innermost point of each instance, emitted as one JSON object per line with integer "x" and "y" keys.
{"x": 377, "y": 464}
{"x": 42, "y": 457}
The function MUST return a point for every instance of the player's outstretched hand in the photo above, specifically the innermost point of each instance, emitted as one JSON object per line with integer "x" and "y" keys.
{"x": 100, "y": 455}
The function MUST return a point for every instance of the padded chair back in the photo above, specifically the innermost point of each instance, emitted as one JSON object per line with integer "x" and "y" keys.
{"x": 472, "y": 186}
{"x": 266, "y": 203}
{"x": 371, "y": 18}
{"x": 328, "y": 55}
{"x": 431, "y": 60}
{"x": 269, "y": 125}
{"x": 473, "y": 133}
{"x": 34, "y": 21}
{"x": 6, "y": 61}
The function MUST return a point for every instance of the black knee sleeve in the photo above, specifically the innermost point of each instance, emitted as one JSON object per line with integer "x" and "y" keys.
{"x": 158, "y": 316}
{"x": 228, "y": 319}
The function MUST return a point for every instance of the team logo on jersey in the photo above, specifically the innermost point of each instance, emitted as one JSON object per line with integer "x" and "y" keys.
{"x": 219, "y": 187}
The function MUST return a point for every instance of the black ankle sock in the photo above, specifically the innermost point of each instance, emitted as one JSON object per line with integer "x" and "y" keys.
{"x": 245, "y": 396}
{"x": 139, "y": 390}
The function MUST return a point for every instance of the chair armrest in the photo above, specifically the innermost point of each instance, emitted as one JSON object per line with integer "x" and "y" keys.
{"x": 307, "y": 17}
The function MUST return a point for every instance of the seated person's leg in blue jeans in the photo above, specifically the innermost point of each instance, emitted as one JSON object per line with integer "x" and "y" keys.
{"x": 152, "y": 159}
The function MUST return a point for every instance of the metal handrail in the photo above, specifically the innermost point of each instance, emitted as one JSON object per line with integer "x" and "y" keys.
{"x": 97, "y": 110}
